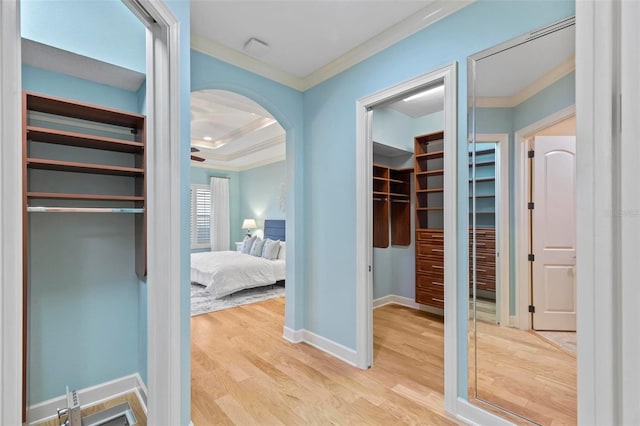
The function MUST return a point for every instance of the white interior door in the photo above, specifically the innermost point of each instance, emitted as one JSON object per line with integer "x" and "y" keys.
{"x": 554, "y": 233}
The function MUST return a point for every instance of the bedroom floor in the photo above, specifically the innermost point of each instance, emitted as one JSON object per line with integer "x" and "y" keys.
{"x": 244, "y": 373}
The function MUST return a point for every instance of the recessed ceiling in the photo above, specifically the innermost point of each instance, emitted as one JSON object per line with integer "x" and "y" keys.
{"x": 232, "y": 132}
{"x": 422, "y": 103}
{"x": 302, "y": 36}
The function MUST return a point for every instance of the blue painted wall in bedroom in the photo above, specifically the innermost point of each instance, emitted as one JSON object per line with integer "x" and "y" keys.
{"x": 261, "y": 192}
{"x": 286, "y": 106}
{"x": 329, "y": 140}
{"x": 103, "y": 30}
{"x": 83, "y": 286}
{"x": 556, "y": 97}
{"x": 201, "y": 175}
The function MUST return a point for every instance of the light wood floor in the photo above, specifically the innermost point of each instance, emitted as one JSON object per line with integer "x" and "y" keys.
{"x": 243, "y": 372}
{"x": 522, "y": 372}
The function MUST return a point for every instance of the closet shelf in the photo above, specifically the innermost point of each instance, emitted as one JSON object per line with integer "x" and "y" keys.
{"x": 75, "y": 167}
{"x": 395, "y": 180}
{"x": 83, "y": 210}
{"x": 429, "y": 208}
{"x": 431, "y": 172}
{"x": 429, "y": 191}
{"x": 396, "y": 195}
{"x": 54, "y": 195}
{"x": 61, "y": 137}
{"x": 432, "y": 154}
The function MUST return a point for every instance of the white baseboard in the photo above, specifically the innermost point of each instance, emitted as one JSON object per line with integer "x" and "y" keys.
{"x": 513, "y": 321}
{"x": 93, "y": 395}
{"x": 474, "y": 415}
{"x": 334, "y": 349}
{"x": 405, "y": 301}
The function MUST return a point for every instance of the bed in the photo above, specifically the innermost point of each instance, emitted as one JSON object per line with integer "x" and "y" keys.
{"x": 226, "y": 272}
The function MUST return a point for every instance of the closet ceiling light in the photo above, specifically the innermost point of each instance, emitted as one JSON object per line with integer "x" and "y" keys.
{"x": 207, "y": 138}
{"x": 427, "y": 92}
{"x": 256, "y": 48}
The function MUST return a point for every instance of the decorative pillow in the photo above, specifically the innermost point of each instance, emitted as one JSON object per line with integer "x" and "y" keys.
{"x": 247, "y": 243}
{"x": 282, "y": 254}
{"x": 271, "y": 249}
{"x": 256, "y": 249}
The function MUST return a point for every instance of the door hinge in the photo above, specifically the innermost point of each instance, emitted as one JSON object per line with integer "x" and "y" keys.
{"x": 530, "y": 154}
{"x": 532, "y": 309}
{"x": 369, "y": 268}
{"x": 532, "y": 258}
{"x": 530, "y": 206}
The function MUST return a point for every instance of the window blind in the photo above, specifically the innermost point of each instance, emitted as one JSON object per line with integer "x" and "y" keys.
{"x": 200, "y": 216}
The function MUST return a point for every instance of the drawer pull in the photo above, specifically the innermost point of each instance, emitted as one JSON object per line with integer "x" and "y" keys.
{"x": 437, "y": 283}
{"x": 437, "y": 300}
{"x": 437, "y": 267}
{"x": 438, "y": 250}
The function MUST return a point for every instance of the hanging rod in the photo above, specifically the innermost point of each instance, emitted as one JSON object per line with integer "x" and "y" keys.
{"x": 82, "y": 210}
{"x": 393, "y": 200}
{"x": 379, "y": 198}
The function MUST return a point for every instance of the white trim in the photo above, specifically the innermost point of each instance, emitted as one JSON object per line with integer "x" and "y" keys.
{"x": 334, "y": 349}
{"x": 363, "y": 166}
{"x": 434, "y": 12}
{"x": 502, "y": 220}
{"x": 88, "y": 397}
{"x": 565, "y": 68}
{"x": 521, "y": 217}
{"x": 164, "y": 347}
{"x": 393, "y": 299}
{"x": 10, "y": 215}
{"x": 204, "y": 165}
{"x": 465, "y": 411}
{"x": 597, "y": 331}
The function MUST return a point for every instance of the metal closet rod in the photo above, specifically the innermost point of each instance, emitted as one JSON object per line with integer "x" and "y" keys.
{"x": 83, "y": 210}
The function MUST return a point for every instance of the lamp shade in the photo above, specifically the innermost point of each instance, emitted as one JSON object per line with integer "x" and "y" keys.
{"x": 249, "y": 224}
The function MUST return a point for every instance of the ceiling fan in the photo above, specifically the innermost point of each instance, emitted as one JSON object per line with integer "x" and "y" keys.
{"x": 195, "y": 157}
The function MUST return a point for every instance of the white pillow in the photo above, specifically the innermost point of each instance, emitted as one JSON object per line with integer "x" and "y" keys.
{"x": 282, "y": 254}
{"x": 271, "y": 249}
{"x": 256, "y": 249}
{"x": 247, "y": 243}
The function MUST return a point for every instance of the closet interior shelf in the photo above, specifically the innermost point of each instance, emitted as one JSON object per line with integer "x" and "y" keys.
{"x": 61, "y": 137}
{"x": 72, "y": 166}
{"x": 83, "y": 210}
{"x": 105, "y": 197}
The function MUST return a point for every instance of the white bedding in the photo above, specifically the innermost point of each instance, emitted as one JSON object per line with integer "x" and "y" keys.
{"x": 225, "y": 272}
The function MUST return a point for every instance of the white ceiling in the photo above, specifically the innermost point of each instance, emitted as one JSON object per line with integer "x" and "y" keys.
{"x": 302, "y": 36}
{"x": 422, "y": 103}
{"x": 507, "y": 73}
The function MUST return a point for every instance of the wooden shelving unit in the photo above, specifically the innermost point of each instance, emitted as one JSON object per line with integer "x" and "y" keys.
{"x": 127, "y": 135}
{"x": 391, "y": 206}
{"x": 485, "y": 232}
{"x": 429, "y": 200}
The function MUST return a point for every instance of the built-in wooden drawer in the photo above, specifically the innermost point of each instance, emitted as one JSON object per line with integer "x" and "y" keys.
{"x": 430, "y": 265}
{"x": 430, "y": 298}
{"x": 425, "y": 249}
{"x": 429, "y": 282}
{"x": 435, "y": 236}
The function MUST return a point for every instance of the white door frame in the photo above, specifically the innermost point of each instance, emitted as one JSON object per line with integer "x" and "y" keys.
{"x": 502, "y": 220}
{"x": 364, "y": 162}
{"x": 163, "y": 213}
{"x": 521, "y": 198}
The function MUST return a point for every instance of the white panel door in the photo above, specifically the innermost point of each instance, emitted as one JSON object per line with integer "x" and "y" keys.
{"x": 554, "y": 233}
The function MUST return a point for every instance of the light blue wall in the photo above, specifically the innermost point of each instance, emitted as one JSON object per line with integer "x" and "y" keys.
{"x": 105, "y": 30}
{"x": 203, "y": 176}
{"x": 260, "y": 192}
{"x": 83, "y": 296}
{"x": 556, "y": 97}
{"x": 329, "y": 142}
{"x": 285, "y": 105}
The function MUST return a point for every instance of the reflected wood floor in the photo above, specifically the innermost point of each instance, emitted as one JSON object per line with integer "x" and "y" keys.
{"x": 243, "y": 372}
{"x": 524, "y": 373}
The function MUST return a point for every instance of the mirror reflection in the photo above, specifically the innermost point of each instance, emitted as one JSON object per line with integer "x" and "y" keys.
{"x": 522, "y": 227}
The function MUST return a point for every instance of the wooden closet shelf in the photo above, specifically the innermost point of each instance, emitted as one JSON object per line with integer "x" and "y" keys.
{"x": 380, "y": 193}
{"x": 380, "y": 178}
{"x": 432, "y": 154}
{"x": 61, "y": 137}
{"x": 395, "y": 180}
{"x": 431, "y": 172}
{"x": 55, "y": 195}
{"x": 429, "y": 208}
{"x": 70, "y": 166}
{"x": 398, "y": 195}
{"x": 83, "y": 111}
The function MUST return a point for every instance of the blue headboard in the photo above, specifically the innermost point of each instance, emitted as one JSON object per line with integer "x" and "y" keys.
{"x": 274, "y": 229}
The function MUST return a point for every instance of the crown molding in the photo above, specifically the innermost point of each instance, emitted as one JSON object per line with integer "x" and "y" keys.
{"x": 241, "y": 60}
{"x": 546, "y": 80}
{"x": 228, "y": 168}
{"x": 434, "y": 12}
